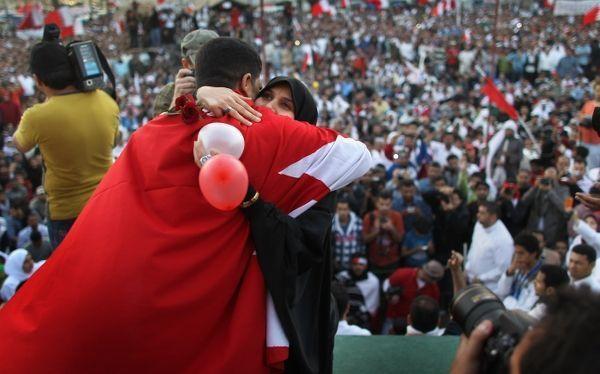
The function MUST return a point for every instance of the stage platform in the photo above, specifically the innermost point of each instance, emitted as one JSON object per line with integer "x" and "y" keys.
{"x": 393, "y": 354}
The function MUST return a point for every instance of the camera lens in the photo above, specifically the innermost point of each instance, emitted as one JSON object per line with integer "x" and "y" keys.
{"x": 474, "y": 304}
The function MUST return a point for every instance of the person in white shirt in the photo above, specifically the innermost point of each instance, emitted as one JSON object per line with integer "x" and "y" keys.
{"x": 491, "y": 248}
{"x": 516, "y": 286}
{"x": 424, "y": 317}
{"x": 441, "y": 151}
{"x": 548, "y": 281}
{"x": 24, "y": 237}
{"x": 581, "y": 264}
{"x": 343, "y": 307}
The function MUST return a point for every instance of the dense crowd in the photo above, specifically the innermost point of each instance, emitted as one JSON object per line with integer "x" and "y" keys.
{"x": 451, "y": 173}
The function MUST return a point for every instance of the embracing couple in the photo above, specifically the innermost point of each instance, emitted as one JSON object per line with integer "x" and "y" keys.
{"x": 153, "y": 279}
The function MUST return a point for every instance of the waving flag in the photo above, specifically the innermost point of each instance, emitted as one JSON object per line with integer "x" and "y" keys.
{"x": 593, "y": 15}
{"x": 497, "y": 98}
{"x": 34, "y": 17}
{"x": 63, "y": 19}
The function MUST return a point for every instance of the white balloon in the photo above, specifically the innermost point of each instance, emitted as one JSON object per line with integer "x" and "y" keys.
{"x": 222, "y": 138}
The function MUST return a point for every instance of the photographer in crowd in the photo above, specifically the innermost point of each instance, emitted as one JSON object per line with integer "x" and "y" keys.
{"x": 75, "y": 132}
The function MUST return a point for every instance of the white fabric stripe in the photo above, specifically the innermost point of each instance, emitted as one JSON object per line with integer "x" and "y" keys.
{"x": 296, "y": 212}
{"x": 336, "y": 164}
{"x": 275, "y": 334}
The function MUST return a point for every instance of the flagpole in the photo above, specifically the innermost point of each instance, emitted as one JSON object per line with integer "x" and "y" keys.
{"x": 494, "y": 39}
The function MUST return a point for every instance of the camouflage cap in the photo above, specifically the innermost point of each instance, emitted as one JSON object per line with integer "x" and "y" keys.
{"x": 193, "y": 41}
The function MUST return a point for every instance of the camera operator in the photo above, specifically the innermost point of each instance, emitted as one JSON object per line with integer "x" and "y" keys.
{"x": 75, "y": 132}
{"x": 383, "y": 230}
{"x": 565, "y": 341}
{"x": 545, "y": 202}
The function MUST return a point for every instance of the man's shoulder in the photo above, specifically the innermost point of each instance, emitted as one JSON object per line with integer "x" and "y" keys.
{"x": 164, "y": 98}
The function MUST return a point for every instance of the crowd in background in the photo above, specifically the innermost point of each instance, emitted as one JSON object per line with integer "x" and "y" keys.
{"x": 407, "y": 84}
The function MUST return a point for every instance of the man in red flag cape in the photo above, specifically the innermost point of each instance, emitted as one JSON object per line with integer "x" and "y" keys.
{"x": 153, "y": 279}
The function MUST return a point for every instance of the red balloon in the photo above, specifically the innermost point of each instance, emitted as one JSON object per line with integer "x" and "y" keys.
{"x": 224, "y": 182}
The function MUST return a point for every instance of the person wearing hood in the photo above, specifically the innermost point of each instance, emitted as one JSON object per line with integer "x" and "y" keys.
{"x": 510, "y": 152}
{"x": 298, "y": 250}
{"x": 19, "y": 267}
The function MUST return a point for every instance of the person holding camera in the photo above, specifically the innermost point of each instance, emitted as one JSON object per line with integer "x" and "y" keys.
{"x": 383, "y": 231}
{"x": 405, "y": 285}
{"x": 566, "y": 340}
{"x": 75, "y": 132}
{"x": 545, "y": 202}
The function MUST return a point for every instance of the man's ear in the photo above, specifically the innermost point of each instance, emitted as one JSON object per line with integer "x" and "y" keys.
{"x": 246, "y": 86}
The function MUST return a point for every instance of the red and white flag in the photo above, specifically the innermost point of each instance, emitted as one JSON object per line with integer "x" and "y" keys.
{"x": 443, "y": 7}
{"x": 34, "y": 16}
{"x": 591, "y": 16}
{"x": 63, "y": 18}
{"x": 308, "y": 58}
{"x": 344, "y": 4}
{"x": 467, "y": 36}
{"x": 549, "y": 4}
{"x": 321, "y": 7}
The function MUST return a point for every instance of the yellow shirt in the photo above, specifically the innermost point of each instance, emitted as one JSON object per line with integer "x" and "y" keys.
{"x": 76, "y": 134}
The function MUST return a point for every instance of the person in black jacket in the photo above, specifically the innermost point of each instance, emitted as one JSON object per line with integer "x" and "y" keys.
{"x": 300, "y": 248}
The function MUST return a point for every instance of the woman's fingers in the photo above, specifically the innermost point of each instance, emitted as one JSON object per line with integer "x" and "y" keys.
{"x": 235, "y": 114}
{"x": 253, "y": 112}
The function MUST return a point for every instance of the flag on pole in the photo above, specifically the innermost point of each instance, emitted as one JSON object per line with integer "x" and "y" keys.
{"x": 308, "y": 58}
{"x": 591, "y": 16}
{"x": 497, "y": 98}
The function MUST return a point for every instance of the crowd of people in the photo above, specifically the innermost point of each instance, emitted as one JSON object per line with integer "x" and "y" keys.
{"x": 452, "y": 175}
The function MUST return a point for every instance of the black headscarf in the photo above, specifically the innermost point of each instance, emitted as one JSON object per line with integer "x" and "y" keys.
{"x": 305, "y": 107}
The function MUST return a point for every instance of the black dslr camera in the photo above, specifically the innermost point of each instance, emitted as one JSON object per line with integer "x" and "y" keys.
{"x": 476, "y": 303}
{"x": 87, "y": 60}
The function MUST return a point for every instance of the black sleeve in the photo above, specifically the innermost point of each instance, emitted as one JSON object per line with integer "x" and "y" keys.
{"x": 288, "y": 247}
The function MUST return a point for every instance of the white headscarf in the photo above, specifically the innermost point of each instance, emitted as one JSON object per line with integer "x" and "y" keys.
{"x": 14, "y": 265}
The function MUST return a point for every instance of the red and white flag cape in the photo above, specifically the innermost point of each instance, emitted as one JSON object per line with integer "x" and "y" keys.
{"x": 153, "y": 279}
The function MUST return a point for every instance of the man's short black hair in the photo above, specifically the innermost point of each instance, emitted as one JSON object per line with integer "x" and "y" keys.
{"x": 424, "y": 314}
{"x": 528, "y": 242}
{"x": 385, "y": 195}
{"x": 50, "y": 62}
{"x": 482, "y": 184}
{"x": 491, "y": 208}
{"x": 35, "y": 236}
{"x": 341, "y": 297}
{"x": 554, "y": 276}
{"x": 452, "y": 156}
{"x": 435, "y": 164}
{"x": 585, "y": 250}
{"x": 567, "y": 340}
{"x": 407, "y": 183}
{"x": 580, "y": 160}
{"x": 222, "y": 62}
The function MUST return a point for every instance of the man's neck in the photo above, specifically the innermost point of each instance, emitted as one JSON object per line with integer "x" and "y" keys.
{"x": 49, "y": 92}
{"x": 344, "y": 221}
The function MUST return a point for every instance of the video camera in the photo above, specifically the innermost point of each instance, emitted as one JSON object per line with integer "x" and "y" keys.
{"x": 87, "y": 60}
